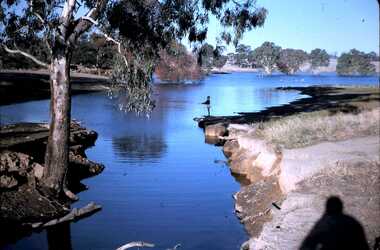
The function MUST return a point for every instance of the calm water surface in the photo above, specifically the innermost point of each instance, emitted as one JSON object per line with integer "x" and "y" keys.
{"x": 161, "y": 183}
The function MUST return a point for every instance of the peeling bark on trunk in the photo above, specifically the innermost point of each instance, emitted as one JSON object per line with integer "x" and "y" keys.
{"x": 57, "y": 150}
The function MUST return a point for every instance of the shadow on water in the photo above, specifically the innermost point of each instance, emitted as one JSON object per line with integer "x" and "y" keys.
{"x": 335, "y": 230}
{"x": 59, "y": 237}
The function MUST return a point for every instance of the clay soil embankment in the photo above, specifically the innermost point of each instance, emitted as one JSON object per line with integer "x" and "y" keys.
{"x": 297, "y": 157}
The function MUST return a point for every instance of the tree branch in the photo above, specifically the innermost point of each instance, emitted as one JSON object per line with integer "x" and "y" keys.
{"x": 44, "y": 23}
{"x": 135, "y": 244}
{"x": 36, "y": 14}
{"x": 74, "y": 214}
{"x": 87, "y": 21}
{"x": 67, "y": 12}
{"x": 27, "y": 55}
{"x": 90, "y": 19}
{"x": 65, "y": 19}
{"x": 108, "y": 37}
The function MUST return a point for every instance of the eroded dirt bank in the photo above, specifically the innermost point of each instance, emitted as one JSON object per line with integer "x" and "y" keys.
{"x": 288, "y": 190}
{"x": 289, "y": 186}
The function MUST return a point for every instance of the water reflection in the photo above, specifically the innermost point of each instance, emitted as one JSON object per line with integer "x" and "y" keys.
{"x": 139, "y": 147}
{"x": 181, "y": 193}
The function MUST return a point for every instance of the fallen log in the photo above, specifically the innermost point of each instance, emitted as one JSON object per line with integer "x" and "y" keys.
{"x": 74, "y": 215}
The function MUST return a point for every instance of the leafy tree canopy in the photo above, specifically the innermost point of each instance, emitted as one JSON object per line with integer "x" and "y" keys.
{"x": 373, "y": 56}
{"x": 290, "y": 60}
{"x": 177, "y": 65}
{"x": 355, "y": 63}
{"x": 319, "y": 58}
{"x": 241, "y": 55}
{"x": 139, "y": 29}
{"x": 94, "y": 51}
{"x": 220, "y": 61}
{"x": 266, "y": 56}
{"x": 206, "y": 57}
{"x": 209, "y": 57}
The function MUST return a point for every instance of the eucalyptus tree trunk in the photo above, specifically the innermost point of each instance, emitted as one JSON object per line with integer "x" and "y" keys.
{"x": 60, "y": 34}
{"x": 57, "y": 149}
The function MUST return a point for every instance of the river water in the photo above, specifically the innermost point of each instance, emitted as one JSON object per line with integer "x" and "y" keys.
{"x": 162, "y": 183}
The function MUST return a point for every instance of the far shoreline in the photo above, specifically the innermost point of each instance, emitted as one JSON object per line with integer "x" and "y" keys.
{"x": 18, "y": 86}
{"x": 30, "y": 85}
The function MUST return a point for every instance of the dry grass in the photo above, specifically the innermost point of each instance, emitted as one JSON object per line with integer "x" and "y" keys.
{"x": 310, "y": 128}
{"x": 370, "y": 100}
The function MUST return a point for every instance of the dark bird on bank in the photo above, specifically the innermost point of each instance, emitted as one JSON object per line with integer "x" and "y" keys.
{"x": 207, "y": 102}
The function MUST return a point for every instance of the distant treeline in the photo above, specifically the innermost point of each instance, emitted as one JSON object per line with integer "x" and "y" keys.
{"x": 271, "y": 57}
{"x": 95, "y": 55}
{"x": 92, "y": 53}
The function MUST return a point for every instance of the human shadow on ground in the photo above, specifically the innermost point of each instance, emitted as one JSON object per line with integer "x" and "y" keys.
{"x": 335, "y": 230}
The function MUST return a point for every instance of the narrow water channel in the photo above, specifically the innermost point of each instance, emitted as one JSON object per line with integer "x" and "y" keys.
{"x": 162, "y": 183}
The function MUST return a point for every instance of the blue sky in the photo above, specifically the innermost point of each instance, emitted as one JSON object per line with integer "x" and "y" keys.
{"x": 334, "y": 25}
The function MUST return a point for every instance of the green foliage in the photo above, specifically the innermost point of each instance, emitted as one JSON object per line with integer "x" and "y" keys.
{"x": 242, "y": 53}
{"x": 206, "y": 57}
{"x": 94, "y": 51}
{"x": 355, "y": 63}
{"x": 177, "y": 65}
{"x": 12, "y": 61}
{"x": 220, "y": 61}
{"x": 319, "y": 58}
{"x": 29, "y": 44}
{"x": 266, "y": 56}
{"x": 373, "y": 56}
{"x": 209, "y": 57}
{"x": 290, "y": 60}
{"x": 144, "y": 27}
{"x": 131, "y": 85}
{"x": 150, "y": 26}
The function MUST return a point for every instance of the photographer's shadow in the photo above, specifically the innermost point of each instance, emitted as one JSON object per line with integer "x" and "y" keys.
{"x": 335, "y": 230}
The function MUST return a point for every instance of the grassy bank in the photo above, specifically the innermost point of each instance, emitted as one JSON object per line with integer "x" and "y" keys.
{"x": 308, "y": 128}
